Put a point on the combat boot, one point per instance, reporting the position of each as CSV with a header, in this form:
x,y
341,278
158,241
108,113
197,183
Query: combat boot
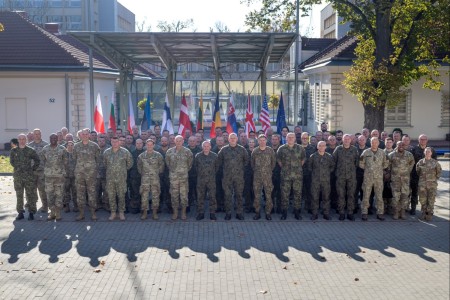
x,y
155,214
380,217
30,216
57,213
257,216
51,215
283,215
412,212
429,217
200,216
395,215
341,217
20,216
364,217
423,217
212,217
93,216
183,213
297,214
121,216
80,215
66,208
144,214
175,213
403,214
112,216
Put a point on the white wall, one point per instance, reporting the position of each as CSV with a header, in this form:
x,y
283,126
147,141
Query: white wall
x,y
41,112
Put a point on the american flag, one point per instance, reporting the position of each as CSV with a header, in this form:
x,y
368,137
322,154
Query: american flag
x,y
264,117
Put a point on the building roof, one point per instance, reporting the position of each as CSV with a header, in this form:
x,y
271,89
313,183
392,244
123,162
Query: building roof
x,y
182,47
315,44
27,46
340,50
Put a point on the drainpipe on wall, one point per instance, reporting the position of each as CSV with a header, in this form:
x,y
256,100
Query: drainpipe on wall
x,y
66,80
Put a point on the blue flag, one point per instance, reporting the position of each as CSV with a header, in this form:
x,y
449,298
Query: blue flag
x,y
281,117
147,120
167,119
216,120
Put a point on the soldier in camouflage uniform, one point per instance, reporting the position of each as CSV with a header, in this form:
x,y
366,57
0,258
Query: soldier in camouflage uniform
x,y
135,179
401,163
373,161
54,159
346,158
164,177
70,191
179,161
102,195
291,157
219,176
263,161
87,156
429,170
150,165
192,195
25,161
38,144
359,193
233,158
418,153
321,164
276,175
306,190
205,164
118,161
249,193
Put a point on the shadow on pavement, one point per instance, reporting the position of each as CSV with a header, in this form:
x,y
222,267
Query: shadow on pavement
x,y
95,240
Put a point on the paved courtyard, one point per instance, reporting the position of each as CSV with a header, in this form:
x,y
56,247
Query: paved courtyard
x,y
223,260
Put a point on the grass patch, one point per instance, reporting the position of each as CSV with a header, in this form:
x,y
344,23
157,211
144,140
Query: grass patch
x,y
5,166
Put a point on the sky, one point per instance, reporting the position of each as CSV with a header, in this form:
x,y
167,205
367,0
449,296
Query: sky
x,y
206,13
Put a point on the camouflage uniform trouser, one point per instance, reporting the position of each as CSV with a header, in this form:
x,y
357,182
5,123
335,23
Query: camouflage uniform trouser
x,y
260,183
150,184
219,192
346,188
249,192
276,192
29,184
316,188
40,184
427,197
86,184
135,193
54,187
414,185
192,195
179,189
236,184
70,192
102,195
377,185
306,191
206,185
296,183
400,194
116,189
165,198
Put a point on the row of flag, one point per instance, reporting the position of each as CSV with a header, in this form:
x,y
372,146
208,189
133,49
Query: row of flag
x,y
185,122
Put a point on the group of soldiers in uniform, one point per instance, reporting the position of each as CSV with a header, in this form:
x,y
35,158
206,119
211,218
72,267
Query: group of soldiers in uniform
x,y
125,172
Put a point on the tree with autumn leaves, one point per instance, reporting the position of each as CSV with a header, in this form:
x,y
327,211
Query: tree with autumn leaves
x,y
399,41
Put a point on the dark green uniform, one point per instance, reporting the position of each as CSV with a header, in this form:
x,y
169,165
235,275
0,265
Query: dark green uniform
x,y
25,162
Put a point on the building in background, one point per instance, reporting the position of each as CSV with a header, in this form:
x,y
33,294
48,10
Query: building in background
x,y
72,15
330,24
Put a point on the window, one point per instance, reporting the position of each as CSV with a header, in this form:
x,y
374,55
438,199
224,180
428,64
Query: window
x,y
399,115
330,21
75,3
16,114
320,104
445,109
